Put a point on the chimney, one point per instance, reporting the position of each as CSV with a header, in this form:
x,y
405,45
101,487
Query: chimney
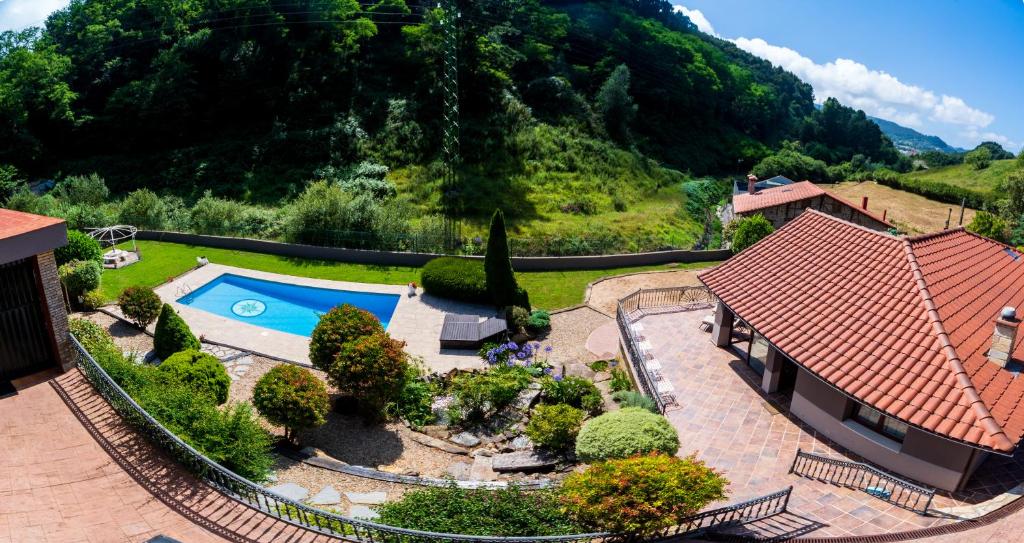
x,y
1003,337
864,203
751,181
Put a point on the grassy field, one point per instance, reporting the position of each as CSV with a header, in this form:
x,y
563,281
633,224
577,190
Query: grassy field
x,y
962,175
912,212
162,261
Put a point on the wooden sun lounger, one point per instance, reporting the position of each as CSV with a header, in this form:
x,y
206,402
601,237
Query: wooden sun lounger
x,y
467,332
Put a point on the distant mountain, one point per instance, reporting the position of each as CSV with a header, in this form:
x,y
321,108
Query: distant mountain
x,y
908,140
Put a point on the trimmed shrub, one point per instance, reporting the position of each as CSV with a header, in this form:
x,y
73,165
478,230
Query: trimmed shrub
x,y
199,371
539,322
575,391
555,426
93,300
456,279
500,279
172,335
625,433
140,304
291,397
502,512
517,318
143,209
372,370
338,326
620,380
80,276
81,246
641,495
477,395
633,398
749,231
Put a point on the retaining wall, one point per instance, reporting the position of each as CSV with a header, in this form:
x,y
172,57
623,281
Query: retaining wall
x,y
394,258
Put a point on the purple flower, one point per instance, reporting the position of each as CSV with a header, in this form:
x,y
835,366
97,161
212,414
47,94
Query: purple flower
x,y
613,363
547,371
511,345
548,349
521,355
510,362
558,378
536,345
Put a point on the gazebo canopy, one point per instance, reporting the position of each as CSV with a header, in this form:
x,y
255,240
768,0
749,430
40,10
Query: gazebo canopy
x,y
112,235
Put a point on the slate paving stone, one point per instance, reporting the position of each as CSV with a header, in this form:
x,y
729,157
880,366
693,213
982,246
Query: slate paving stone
x,y
291,491
328,495
364,512
367,498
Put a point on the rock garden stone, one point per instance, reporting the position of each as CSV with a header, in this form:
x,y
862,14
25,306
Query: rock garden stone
x,y
367,498
465,439
436,431
521,443
602,376
522,461
328,495
459,471
482,469
580,370
291,491
526,399
481,452
362,511
445,446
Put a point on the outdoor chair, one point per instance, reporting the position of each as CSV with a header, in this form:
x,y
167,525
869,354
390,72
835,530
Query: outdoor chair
x,y
468,332
707,324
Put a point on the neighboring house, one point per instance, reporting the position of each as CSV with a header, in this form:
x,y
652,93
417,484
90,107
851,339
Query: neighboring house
x,y
33,320
771,182
783,203
897,348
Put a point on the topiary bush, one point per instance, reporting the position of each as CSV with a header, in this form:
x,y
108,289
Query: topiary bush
x,y
291,397
338,326
632,398
81,246
140,304
502,512
575,391
199,371
555,426
625,433
371,369
642,494
539,322
477,395
80,276
500,279
456,279
172,334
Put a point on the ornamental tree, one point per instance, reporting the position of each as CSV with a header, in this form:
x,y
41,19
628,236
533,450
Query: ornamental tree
x,y
337,327
371,369
642,494
501,280
291,397
172,334
140,304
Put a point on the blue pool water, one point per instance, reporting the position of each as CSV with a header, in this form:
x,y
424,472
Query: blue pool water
x,y
280,306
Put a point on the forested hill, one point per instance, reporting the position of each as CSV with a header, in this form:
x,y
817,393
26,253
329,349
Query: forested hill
x,y
253,98
910,140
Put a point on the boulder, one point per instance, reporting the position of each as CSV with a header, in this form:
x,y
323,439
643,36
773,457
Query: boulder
x,y
465,439
526,399
521,443
445,446
482,469
436,431
522,461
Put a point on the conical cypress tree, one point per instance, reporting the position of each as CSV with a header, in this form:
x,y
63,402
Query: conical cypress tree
x,y
172,334
501,281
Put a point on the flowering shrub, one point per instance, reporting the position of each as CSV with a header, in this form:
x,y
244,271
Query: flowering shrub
x,y
624,433
575,391
511,354
291,397
642,494
555,426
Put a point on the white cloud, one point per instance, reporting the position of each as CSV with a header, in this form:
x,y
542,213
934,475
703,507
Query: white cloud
x,y
19,14
698,19
976,136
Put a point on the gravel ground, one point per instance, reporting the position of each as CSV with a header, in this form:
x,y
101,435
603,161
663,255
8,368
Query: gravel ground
x,y
605,294
569,333
126,336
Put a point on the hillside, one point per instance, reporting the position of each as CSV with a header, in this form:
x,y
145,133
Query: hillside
x,y
983,181
908,140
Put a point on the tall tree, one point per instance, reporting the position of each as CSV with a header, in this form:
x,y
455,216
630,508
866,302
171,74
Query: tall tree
x,y
501,280
616,106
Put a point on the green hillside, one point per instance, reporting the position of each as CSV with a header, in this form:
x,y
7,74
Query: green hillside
x,y
983,181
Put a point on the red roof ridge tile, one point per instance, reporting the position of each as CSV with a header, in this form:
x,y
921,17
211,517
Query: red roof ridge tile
x,y
844,221
1000,441
871,214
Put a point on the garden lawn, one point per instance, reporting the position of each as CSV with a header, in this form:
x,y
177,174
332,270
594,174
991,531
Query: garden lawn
x,y
162,260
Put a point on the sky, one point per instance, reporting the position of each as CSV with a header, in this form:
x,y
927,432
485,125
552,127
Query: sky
x,y
945,67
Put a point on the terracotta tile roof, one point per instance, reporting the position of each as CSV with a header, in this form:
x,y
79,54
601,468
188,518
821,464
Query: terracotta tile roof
x,y
902,324
747,203
15,223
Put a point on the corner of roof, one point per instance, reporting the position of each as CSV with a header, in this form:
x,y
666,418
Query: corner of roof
x,y
844,221
1000,441
937,233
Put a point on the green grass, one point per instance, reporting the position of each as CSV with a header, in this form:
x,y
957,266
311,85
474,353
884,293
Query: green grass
x,y
961,175
162,261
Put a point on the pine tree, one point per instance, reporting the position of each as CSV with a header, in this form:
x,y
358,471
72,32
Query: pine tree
x,y
501,281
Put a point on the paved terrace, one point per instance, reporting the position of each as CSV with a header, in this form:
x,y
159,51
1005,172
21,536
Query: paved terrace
x,y
726,419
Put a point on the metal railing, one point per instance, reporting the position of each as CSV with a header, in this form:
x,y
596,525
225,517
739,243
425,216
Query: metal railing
x,y
864,477
644,302
259,498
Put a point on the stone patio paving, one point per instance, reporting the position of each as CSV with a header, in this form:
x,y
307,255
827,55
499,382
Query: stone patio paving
x,y
725,418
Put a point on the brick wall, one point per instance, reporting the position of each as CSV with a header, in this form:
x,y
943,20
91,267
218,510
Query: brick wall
x,y
56,311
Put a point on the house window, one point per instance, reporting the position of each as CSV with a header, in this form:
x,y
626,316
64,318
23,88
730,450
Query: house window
x,y
875,420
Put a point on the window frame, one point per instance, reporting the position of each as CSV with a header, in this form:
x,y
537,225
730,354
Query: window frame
x,y
878,426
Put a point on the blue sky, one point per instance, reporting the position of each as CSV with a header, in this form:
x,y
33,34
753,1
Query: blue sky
x,y
945,67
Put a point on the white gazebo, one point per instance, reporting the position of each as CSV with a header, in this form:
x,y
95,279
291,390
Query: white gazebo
x,y
110,236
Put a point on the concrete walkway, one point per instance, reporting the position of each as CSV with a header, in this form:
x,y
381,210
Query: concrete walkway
x,y
71,471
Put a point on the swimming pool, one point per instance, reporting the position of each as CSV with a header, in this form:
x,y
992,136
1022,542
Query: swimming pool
x,y
295,309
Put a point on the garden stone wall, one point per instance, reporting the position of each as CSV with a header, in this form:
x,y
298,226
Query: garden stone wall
x,y
392,258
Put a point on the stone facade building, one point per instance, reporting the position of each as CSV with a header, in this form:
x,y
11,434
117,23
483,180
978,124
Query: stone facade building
x,y
781,204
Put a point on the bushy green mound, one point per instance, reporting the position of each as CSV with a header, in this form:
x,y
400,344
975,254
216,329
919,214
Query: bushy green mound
x,y
80,276
199,371
624,433
140,304
454,278
575,391
291,397
555,426
339,326
81,246
172,334
372,369
632,398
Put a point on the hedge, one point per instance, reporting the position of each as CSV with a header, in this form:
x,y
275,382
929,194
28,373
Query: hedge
x,y
456,279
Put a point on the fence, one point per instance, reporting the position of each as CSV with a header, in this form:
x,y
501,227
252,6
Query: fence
x,y
869,479
255,496
644,302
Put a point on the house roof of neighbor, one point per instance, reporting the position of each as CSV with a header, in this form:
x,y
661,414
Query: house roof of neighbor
x,y
24,234
745,202
902,324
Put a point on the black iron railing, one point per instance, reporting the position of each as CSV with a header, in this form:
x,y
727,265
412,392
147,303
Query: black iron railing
x,y
869,479
645,302
257,497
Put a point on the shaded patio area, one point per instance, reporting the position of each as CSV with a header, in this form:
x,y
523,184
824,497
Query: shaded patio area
x,y
724,417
